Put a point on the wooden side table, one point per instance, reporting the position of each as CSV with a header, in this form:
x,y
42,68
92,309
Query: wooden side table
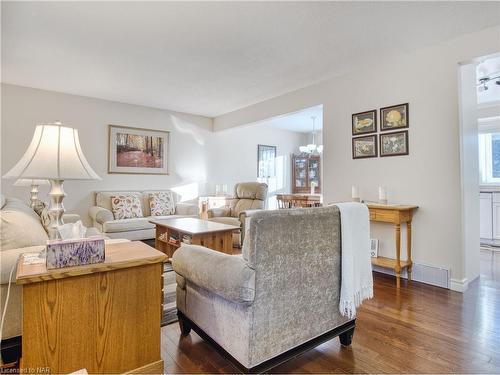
x,y
395,214
103,317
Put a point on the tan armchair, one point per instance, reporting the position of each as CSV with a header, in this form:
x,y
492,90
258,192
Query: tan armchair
x,y
248,196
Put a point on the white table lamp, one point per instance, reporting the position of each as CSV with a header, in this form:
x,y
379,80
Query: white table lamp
x,y
34,188
54,154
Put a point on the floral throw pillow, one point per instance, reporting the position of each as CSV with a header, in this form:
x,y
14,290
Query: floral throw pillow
x,y
126,206
162,203
42,210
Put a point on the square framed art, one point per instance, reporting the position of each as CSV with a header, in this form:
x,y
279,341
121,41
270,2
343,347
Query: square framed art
x,y
364,147
394,117
364,122
394,144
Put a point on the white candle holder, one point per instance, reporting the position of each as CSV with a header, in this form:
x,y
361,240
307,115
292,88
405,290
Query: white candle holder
x,y
382,195
355,194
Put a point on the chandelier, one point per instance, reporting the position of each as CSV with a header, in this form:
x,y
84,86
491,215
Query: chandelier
x,y
312,148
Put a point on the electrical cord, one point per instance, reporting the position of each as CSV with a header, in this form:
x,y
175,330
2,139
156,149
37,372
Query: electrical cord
x,y
5,307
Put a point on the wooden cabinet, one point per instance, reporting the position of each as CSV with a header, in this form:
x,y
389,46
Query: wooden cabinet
x,y
305,170
486,215
103,317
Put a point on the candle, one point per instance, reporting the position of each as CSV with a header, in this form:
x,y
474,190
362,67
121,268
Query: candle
x,y
382,195
355,192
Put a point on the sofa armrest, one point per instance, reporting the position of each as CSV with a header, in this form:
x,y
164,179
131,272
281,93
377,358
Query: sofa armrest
x,y
100,215
225,275
71,218
219,212
247,214
245,221
9,260
187,209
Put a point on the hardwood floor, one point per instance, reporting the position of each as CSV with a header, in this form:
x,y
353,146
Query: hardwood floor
x,y
417,329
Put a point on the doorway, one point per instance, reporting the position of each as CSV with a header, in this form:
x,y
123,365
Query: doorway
x,y
298,163
480,165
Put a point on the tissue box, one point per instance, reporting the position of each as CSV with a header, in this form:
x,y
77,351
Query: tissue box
x,y
70,253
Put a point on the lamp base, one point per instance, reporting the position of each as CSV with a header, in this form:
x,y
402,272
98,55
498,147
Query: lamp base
x,y
56,208
33,195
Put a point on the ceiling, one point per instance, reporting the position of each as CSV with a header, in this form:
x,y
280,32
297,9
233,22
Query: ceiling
x,y
211,58
297,121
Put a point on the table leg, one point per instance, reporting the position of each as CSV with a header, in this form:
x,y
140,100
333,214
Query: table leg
x,y
157,241
408,248
227,243
397,269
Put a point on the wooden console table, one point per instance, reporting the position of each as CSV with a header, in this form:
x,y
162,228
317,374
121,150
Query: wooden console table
x,y
103,317
395,214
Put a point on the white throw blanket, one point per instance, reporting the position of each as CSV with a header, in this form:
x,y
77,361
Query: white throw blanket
x,y
356,280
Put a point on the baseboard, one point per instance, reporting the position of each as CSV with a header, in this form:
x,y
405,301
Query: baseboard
x,y
423,273
459,285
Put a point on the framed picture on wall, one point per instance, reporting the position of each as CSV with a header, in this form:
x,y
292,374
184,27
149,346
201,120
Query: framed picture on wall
x,y
364,147
394,144
266,161
394,117
364,122
137,151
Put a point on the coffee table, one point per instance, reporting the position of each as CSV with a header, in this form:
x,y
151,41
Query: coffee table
x,y
170,234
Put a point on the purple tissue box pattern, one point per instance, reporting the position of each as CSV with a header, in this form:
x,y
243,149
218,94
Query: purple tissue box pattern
x,y
70,253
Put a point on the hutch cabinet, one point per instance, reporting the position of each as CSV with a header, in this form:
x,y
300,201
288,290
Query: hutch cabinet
x,y
305,170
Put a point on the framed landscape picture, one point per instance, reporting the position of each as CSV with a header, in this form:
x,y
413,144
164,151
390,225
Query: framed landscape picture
x,y
137,151
394,117
394,144
364,122
364,147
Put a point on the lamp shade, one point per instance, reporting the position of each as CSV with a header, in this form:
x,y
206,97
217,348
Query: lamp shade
x,y
54,153
30,182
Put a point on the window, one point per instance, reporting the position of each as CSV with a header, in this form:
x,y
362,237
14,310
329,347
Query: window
x,y
266,161
489,158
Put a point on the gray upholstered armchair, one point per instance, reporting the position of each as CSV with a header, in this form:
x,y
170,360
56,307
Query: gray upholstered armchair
x,y
280,296
248,196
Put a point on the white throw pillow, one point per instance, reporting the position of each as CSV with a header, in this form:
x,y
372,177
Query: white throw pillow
x,y
20,229
162,203
126,206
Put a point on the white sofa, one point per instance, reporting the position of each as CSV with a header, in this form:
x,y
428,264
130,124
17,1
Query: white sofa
x,y
136,228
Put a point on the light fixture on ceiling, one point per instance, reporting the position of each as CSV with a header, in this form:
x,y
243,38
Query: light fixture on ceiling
x,y
483,84
312,148
484,81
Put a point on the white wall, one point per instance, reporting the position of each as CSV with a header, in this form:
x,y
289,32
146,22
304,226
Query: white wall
x,y
23,108
430,176
233,157
199,158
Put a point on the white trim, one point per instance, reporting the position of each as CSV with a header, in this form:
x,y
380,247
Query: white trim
x,y
422,273
459,285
